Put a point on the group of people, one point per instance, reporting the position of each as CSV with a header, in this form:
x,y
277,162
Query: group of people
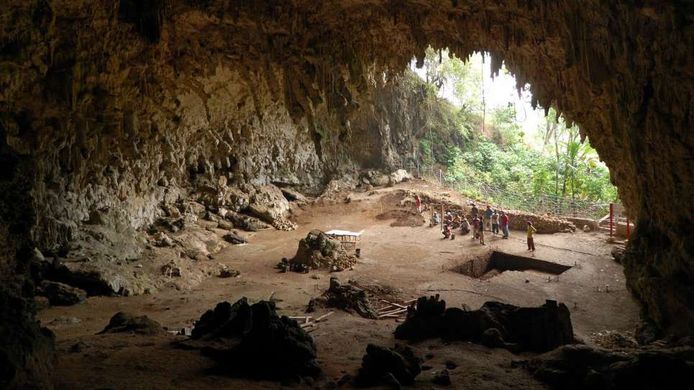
x,y
495,221
492,220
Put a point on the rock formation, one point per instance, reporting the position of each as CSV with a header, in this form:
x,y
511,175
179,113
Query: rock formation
x,y
386,366
495,324
128,105
253,341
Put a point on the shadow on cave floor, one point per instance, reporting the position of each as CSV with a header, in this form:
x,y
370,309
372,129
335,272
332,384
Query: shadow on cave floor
x,y
412,260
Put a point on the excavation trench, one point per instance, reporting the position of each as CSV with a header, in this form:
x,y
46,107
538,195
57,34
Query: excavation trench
x,y
495,262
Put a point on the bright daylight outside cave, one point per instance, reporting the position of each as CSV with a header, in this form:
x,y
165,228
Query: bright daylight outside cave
x,y
346,194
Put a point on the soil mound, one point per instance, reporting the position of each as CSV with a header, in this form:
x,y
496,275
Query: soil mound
x,y
318,250
402,218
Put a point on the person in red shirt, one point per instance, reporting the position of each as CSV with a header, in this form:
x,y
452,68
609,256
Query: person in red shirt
x,y
418,202
503,219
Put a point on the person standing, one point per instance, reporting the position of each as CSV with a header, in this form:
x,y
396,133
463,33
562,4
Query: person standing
x,y
495,223
474,211
481,233
475,227
504,224
531,230
488,217
464,226
418,202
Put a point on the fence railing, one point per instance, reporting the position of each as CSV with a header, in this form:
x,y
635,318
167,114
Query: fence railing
x,y
538,204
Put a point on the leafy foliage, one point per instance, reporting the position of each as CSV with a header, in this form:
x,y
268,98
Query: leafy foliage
x,y
497,164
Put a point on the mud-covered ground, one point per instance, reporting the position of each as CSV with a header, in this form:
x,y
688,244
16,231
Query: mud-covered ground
x,y
412,261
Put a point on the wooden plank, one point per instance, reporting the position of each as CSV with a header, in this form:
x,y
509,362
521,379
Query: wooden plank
x,y
394,304
324,316
396,311
390,316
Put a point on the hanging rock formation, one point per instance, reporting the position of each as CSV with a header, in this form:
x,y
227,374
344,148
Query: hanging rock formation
x,y
127,105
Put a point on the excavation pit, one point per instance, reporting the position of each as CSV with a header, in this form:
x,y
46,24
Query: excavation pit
x,y
495,262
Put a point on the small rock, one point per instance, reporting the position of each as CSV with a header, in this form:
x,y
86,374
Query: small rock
x,y
441,378
64,321
226,272
618,254
161,239
41,302
451,365
171,269
78,347
234,238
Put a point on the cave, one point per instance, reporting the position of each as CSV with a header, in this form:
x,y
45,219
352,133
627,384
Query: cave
x,y
109,110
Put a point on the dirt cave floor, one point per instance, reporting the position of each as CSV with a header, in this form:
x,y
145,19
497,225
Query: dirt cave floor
x,y
412,261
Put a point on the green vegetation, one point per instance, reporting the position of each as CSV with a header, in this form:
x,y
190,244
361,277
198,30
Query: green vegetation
x,y
549,170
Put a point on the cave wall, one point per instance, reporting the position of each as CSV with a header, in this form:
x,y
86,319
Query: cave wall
x,y
118,103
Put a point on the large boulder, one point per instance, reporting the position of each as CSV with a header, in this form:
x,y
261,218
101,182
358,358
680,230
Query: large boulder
x,y
269,204
399,176
60,294
245,222
376,178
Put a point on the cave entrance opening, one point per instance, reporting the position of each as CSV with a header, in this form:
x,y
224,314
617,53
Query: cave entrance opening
x,y
487,138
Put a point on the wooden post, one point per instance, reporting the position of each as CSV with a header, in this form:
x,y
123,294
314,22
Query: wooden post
x,y
611,218
441,217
